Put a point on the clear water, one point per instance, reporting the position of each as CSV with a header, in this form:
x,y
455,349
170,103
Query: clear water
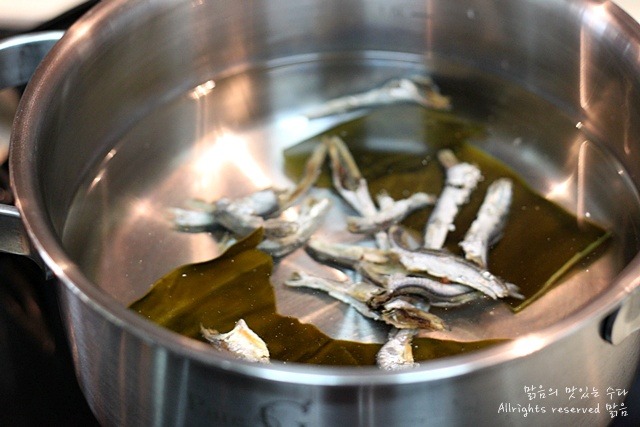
x,y
226,138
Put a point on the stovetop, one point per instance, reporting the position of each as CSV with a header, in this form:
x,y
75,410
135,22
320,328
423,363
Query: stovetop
x,y
37,382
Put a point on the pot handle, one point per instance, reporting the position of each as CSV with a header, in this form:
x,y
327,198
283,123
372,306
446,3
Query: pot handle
x,y
20,55
13,236
624,321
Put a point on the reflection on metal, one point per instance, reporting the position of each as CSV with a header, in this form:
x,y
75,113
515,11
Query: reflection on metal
x,y
228,154
527,345
560,190
203,89
581,194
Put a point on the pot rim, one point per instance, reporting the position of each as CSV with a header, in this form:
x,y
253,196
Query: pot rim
x,y
31,207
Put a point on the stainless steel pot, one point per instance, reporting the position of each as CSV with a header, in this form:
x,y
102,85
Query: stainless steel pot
x,y
113,124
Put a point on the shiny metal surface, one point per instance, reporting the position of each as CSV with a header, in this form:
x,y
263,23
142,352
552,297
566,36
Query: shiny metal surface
x,y
111,131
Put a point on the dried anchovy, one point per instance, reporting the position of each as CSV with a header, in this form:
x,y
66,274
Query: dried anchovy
x,y
396,353
347,178
312,169
241,342
248,213
455,269
310,217
356,294
489,223
244,215
391,212
346,255
200,217
351,185
375,264
360,295
437,293
461,180
416,89
403,313
400,282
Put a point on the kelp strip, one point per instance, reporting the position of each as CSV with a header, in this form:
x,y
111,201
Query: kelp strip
x,y
236,285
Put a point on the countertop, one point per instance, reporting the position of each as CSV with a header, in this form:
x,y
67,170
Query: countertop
x,y
632,7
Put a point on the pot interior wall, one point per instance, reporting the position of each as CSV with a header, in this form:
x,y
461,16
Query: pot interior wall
x,y
135,116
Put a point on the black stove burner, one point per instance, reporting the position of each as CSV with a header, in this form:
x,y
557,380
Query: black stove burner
x,y
37,382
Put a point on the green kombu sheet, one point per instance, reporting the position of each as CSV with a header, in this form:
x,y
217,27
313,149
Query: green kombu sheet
x,y
236,286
